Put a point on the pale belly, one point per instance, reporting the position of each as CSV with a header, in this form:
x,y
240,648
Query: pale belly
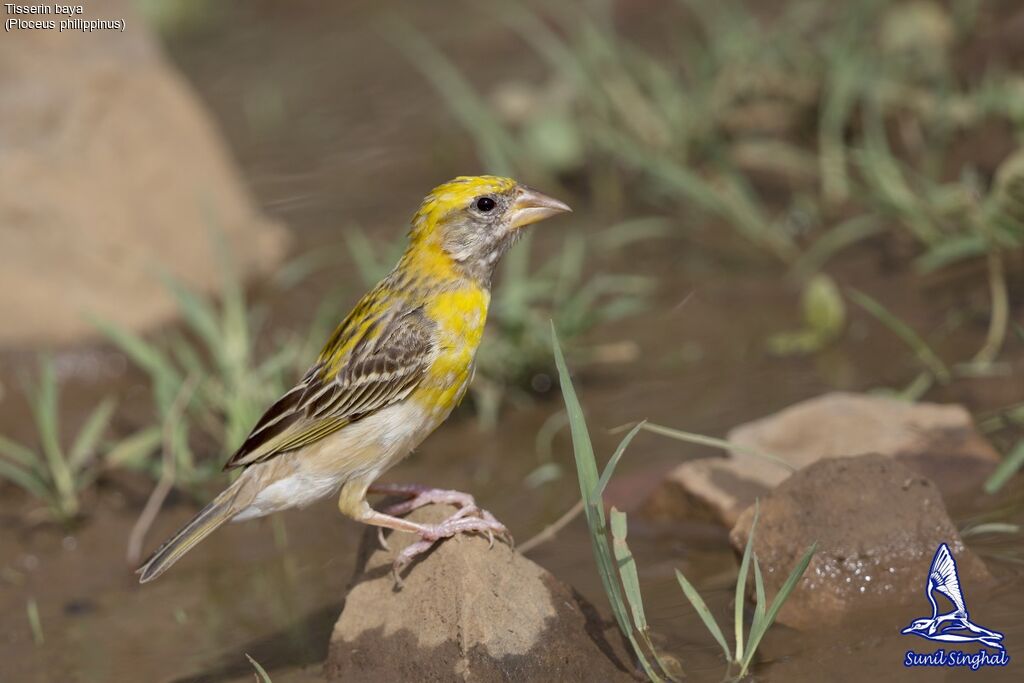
x,y
363,450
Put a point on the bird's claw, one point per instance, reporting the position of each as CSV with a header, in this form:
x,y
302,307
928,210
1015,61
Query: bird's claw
x,y
458,523
468,518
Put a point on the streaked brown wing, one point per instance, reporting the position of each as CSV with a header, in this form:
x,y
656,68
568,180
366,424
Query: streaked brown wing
x,y
383,367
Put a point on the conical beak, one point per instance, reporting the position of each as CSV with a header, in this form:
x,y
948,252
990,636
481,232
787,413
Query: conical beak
x,y
532,206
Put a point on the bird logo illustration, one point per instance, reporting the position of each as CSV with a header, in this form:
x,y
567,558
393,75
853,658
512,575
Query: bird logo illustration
x,y
954,626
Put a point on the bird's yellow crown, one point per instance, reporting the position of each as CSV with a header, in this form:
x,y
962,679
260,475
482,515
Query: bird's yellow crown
x,y
452,196
464,226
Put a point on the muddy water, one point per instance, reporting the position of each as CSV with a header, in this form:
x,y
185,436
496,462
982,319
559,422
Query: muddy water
x,y
359,135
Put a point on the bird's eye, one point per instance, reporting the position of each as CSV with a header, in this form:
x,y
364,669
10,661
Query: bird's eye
x,y
485,204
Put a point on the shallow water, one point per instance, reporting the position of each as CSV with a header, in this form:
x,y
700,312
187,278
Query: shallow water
x,y
361,139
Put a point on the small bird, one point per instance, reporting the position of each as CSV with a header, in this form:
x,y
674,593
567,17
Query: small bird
x,y
389,375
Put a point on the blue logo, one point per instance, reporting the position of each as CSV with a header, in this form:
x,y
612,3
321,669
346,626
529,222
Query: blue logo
x,y
954,626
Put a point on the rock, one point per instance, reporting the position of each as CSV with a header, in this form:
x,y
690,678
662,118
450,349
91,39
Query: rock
x,y
110,174
468,612
877,524
937,441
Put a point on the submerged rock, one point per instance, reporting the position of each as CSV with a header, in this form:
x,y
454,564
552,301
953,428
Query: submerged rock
x,y
111,175
937,441
467,612
877,524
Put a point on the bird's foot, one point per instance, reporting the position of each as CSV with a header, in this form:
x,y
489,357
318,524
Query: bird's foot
x,y
461,522
418,496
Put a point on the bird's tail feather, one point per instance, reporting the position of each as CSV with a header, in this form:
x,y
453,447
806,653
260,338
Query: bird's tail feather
x,y
221,509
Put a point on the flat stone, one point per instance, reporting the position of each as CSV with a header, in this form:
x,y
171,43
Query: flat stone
x,y
937,441
111,175
877,524
468,612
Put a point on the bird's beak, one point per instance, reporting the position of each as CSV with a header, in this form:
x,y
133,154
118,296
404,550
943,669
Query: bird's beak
x,y
531,206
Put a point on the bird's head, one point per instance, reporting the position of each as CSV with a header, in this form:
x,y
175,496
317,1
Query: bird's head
x,y
474,220
918,626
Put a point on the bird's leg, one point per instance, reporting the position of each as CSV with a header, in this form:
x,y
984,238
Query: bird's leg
x,y
352,503
416,496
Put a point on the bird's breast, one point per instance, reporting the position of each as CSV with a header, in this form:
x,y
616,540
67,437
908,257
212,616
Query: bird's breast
x,y
460,315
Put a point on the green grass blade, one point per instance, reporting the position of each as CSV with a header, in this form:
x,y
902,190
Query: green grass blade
x,y
949,251
921,349
586,470
1010,465
135,449
918,387
835,240
711,441
200,316
583,448
46,409
186,356
777,603
703,612
492,140
19,453
630,578
89,436
627,568
547,43
34,622
990,528
234,347
725,196
261,673
142,353
299,269
838,101
25,479
761,607
609,469
741,587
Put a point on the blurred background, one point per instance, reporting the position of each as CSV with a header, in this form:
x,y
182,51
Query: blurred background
x,y
773,200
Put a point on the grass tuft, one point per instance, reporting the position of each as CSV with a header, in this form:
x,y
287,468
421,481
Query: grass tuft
x,y
710,121
746,642
215,350
617,566
52,473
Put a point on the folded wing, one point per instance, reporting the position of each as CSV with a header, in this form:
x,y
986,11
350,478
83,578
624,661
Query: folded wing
x,y
384,357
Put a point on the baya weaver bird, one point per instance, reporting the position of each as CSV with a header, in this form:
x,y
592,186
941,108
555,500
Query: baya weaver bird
x,y
389,375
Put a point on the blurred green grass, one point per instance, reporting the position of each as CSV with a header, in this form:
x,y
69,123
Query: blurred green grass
x,y
850,109
805,130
